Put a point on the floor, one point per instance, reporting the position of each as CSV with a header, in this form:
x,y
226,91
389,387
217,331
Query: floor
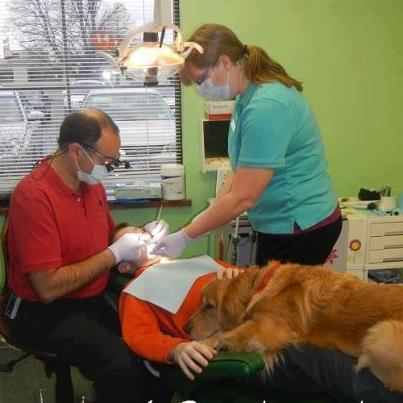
x,y
28,380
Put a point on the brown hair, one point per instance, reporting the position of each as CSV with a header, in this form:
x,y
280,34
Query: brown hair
x,y
218,40
118,228
85,127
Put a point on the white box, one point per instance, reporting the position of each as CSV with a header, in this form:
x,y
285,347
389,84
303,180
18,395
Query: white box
x,y
218,110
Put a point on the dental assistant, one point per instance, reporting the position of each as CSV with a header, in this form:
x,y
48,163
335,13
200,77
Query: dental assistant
x,y
276,152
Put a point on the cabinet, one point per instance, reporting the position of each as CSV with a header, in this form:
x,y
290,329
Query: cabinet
x,y
368,242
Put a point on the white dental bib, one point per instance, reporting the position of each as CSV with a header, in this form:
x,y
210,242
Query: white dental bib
x,y
167,284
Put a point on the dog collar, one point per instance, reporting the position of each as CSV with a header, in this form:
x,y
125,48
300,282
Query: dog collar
x,y
268,275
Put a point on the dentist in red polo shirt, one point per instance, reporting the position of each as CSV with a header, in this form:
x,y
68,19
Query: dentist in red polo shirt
x,y
60,257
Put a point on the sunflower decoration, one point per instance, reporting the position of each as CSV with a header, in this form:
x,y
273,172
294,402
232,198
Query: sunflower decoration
x,y
355,245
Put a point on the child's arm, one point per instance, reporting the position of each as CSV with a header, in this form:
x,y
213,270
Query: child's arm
x,y
141,331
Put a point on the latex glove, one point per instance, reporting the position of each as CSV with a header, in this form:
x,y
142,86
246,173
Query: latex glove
x,y
192,357
173,245
130,246
158,231
131,266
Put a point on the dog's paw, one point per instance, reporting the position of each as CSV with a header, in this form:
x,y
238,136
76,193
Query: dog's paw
x,y
255,346
213,341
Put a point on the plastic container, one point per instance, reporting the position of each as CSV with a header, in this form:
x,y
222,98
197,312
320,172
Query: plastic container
x,y
173,181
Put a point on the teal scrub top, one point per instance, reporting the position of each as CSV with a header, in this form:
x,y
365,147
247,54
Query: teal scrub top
x,y
274,127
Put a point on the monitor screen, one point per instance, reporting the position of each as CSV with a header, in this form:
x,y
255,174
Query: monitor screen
x,y
215,135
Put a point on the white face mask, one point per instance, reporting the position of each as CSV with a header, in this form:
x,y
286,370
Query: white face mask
x,y
214,92
97,175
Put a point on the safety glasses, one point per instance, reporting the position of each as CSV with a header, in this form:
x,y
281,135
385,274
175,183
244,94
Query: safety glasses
x,y
111,163
203,76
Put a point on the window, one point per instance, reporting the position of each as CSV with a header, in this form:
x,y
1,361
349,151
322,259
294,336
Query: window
x,y
6,76
49,66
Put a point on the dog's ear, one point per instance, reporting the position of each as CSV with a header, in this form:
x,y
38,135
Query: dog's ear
x,y
234,299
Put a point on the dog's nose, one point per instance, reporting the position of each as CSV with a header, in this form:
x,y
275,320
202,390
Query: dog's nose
x,y
187,328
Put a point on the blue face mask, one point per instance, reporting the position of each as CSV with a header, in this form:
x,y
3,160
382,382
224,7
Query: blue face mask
x,y
214,92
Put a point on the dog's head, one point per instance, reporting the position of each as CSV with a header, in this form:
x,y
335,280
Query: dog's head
x,y
223,305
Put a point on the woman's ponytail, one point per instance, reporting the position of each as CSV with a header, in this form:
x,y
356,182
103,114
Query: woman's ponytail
x,y
260,68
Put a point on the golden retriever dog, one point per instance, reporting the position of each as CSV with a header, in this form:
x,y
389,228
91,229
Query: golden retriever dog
x,y
264,310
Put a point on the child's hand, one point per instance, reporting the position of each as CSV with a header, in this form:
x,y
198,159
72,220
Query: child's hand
x,y
192,357
229,273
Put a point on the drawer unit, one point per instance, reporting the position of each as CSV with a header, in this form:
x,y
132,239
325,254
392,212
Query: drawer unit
x,y
386,229
368,242
386,256
385,242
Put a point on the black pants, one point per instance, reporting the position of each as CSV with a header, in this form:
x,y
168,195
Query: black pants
x,y
312,247
309,369
86,334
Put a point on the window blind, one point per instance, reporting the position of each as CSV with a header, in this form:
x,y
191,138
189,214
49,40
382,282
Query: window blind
x,y
49,67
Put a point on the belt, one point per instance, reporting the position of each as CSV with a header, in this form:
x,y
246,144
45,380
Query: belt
x,y
13,306
16,303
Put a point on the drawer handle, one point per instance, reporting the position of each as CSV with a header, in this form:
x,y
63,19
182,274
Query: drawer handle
x,y
398,246
392,259
393,233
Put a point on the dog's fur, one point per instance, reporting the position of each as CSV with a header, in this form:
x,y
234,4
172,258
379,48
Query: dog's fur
x,y
305,304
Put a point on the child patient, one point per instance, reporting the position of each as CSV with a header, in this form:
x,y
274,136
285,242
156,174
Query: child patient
x,y
145,258
154,333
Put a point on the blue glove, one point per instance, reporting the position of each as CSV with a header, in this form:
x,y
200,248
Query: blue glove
x,y
173,245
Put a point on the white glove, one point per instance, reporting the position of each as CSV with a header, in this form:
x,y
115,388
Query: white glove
x,y
130,246
158,231
192,357
172,245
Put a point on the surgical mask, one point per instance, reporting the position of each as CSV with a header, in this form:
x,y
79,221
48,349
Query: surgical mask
x,y
97,175
214,92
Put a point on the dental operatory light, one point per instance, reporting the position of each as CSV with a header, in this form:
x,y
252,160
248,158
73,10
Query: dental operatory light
x,y
151,60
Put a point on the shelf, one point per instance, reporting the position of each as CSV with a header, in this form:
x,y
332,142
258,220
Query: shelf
x,y
137,204
150,203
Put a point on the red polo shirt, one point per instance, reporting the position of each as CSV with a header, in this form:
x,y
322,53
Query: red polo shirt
x,y
50,226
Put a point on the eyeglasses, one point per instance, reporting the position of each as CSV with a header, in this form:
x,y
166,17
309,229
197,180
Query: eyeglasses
x,y
113,162
203,76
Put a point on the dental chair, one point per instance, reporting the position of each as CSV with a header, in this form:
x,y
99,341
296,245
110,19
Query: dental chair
x,y
224,380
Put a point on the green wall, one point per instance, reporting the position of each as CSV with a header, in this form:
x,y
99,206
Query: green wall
x,y
348,53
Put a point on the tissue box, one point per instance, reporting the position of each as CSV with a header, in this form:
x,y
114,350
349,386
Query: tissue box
x,y
218,110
